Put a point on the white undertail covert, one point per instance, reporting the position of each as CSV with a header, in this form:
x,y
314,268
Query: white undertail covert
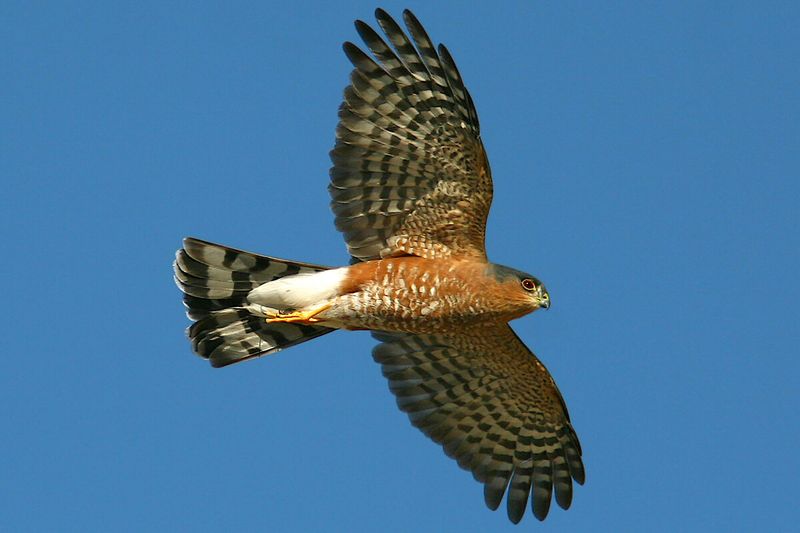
x,y
299,291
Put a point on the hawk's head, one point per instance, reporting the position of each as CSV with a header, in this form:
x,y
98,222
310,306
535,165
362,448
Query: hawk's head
x,y
525,287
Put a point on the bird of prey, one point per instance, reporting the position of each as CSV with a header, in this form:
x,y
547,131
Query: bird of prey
x,y
410,190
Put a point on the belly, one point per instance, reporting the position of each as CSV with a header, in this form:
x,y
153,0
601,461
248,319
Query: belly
x,y
412,295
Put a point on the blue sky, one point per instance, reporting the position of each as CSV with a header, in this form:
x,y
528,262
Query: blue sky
x,y
645,158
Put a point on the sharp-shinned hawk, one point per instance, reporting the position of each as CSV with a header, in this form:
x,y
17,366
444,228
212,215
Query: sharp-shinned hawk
x,y
410,189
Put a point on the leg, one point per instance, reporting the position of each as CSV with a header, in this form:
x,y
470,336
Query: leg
x,y
299,317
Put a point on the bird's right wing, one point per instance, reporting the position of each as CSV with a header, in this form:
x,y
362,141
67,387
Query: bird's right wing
x,y
493,407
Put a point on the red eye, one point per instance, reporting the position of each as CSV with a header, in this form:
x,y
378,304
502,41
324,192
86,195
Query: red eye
x,y
528,284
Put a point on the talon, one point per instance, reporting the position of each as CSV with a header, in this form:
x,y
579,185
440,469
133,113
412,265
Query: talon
x,y
298,317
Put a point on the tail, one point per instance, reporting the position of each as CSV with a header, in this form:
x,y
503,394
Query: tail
x,y
215,281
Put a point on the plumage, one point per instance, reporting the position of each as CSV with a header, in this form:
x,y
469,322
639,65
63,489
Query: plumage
x,y
450,385
420,182
299,290
216,281
410,191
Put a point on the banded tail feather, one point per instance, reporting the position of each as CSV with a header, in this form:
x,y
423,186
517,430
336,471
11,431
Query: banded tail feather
x,y
215,281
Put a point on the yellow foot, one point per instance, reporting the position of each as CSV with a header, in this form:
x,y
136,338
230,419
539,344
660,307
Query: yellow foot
x,y
299,317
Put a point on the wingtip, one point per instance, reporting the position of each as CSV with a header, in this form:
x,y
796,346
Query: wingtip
x,y
541,508
361,26
491,499
353,52
408,14
514,516
564,498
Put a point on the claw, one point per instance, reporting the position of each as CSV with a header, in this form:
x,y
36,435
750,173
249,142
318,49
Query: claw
x,y
299,317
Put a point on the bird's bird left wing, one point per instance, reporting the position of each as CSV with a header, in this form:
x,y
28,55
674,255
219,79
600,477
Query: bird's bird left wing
x,y
410,175
494,408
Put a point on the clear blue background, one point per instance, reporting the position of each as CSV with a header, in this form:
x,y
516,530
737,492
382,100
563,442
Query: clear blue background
x,y
646,164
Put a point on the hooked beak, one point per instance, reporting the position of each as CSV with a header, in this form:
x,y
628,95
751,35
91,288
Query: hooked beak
x,y
544,301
